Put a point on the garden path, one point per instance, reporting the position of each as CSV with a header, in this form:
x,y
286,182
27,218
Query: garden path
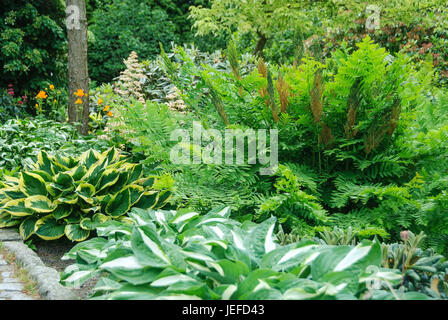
x,y
10,287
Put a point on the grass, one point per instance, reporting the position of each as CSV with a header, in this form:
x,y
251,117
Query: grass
x,y
29,286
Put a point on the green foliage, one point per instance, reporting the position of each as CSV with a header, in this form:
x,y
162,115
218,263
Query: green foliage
x,y
185,255
10,107
32,44
71,196
21,140
122,27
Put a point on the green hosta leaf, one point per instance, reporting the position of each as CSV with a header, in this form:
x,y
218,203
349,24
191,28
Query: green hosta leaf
x,y
68,162
69,199
168,277
88,224
163,198
119,204
112,155
78,172
130,270
75,233
49,229
136,173
148,249
109,178
7,221
40,204
94,174
44,175
17,208
86,191
64,181
28,227
148,200
44,163
136,193
14,193
89,157
62,211
33,184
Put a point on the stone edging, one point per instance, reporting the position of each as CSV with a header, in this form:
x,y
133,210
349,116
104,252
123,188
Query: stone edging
x,y
47,279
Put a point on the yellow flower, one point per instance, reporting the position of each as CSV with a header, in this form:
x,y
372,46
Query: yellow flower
x,y
79,93
100,101
42,95
79,101
110,114
37,106
51,87
106,108
55,101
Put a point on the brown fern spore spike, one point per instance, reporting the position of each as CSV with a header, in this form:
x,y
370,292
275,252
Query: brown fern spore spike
x,y
271,93
316,96
283,92
352,104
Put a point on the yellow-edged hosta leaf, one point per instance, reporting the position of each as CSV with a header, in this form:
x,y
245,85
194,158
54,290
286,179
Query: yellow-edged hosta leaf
x,y
48,228
85,191
44,163
11,181
119,204
136,193
112,155
28,227
136,173
148,200
44,175
17,208
109,178
89,157
75,233
33,184
40,204
13,193
78,172
62,211
164,197
72,199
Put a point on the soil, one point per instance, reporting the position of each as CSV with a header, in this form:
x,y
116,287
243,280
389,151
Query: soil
x,y
51,253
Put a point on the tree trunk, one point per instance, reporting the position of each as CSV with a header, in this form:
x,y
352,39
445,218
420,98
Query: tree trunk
x,y
78,74
260,44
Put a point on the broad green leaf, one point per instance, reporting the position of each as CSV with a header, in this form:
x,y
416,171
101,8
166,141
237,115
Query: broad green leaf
x,y
40,204
119,204
75,233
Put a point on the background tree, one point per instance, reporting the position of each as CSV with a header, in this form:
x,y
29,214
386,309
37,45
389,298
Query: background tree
x,y
78,74
32,44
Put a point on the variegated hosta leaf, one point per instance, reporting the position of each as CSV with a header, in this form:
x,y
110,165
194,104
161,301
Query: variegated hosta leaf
x,y
79,194
166,255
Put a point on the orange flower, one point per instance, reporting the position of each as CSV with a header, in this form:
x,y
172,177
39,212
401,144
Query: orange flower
x,y
79,101
51,87
110,114
79,93
100,101
37,106
42,95
106,108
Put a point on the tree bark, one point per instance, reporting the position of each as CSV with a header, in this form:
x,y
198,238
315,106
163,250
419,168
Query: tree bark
x,y
78,73
260,44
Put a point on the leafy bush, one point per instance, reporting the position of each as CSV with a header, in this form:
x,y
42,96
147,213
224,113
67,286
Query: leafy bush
x,y
185,255
71,196
33,44
122,27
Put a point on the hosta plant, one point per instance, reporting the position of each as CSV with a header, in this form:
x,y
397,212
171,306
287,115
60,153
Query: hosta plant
x,y
71,196
185,255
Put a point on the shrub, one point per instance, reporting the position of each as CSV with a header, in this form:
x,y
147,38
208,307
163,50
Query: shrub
x,y
71,196
32,44
122,27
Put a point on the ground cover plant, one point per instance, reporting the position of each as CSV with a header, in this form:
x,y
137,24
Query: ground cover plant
x,y
188,255
350,106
